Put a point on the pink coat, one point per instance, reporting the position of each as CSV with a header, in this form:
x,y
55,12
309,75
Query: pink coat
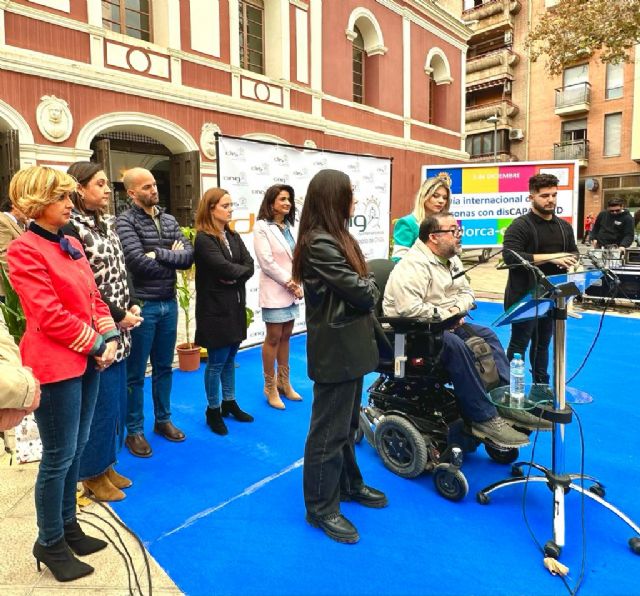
x,y
274,257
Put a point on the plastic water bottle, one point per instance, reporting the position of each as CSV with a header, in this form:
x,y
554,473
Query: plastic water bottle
x,y
516,382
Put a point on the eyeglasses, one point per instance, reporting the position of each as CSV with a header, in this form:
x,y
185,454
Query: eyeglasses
x,y
455,231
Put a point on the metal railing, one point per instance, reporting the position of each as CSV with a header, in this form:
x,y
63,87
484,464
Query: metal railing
x,y
571,95
571,149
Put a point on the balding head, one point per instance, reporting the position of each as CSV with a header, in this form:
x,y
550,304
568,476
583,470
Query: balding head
x,y
141,188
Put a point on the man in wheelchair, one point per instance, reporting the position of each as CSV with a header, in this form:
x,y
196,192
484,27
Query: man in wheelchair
x,y
430,280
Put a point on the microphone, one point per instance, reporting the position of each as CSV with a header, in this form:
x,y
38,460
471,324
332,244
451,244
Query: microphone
x,y
464,271
601,267
534,269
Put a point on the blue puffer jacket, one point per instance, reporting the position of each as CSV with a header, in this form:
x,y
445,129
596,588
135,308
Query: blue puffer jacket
x,y
153,279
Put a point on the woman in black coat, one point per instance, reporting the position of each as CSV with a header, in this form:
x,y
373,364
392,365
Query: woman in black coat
x,y
223,265
340,296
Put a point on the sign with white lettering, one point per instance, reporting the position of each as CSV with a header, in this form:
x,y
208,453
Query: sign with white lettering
x,y
486,198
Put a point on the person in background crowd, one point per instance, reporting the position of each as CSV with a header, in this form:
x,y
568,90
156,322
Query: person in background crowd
x,y
273,246
12,224
70,337
340,297
588,226
96,232
613,226
636,225
223,266
434,196
154,248
19,389
547,241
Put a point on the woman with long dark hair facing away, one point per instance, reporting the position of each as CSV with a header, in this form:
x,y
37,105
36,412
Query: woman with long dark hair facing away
x,y
273,245
70,336
434,196
95,230
339,297
223,266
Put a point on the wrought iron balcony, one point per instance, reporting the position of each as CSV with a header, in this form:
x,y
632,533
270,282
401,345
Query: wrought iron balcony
x,y
572,150
573,99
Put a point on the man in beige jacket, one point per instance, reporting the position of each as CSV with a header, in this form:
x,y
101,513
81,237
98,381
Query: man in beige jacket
x,y
12,224
19,390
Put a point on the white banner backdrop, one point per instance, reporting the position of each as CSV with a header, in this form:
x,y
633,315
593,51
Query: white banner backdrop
x,y
247,168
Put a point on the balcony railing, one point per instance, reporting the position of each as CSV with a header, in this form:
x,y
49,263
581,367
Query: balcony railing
x,y
573,95
504,109
571,150
493,65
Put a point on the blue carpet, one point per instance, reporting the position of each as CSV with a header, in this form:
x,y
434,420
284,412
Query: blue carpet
x,y
225,515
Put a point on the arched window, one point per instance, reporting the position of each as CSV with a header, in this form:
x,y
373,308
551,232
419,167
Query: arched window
x,y
252,35
131,17
358,67
439,81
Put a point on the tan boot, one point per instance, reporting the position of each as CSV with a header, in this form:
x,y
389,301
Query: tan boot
x,y
102,489
284,386
118,480
271,392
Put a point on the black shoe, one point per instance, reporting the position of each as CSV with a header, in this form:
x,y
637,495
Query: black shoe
x,y
60,561
79,542
367,496
215,421
336,526
230,406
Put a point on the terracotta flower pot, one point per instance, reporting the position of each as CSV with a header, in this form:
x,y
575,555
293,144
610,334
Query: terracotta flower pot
x,y
188,357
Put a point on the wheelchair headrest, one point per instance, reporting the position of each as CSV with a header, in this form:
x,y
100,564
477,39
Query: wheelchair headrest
x,y
381,269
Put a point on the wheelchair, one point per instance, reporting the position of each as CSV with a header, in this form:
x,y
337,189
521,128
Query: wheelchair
x,y
412,418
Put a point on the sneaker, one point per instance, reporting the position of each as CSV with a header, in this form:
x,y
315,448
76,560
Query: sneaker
x,y
496,430
525,419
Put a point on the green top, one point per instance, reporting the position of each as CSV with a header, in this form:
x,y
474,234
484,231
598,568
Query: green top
x,y
405,233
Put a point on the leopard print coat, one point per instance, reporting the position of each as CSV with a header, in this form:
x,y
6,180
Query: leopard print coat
x,y
104,252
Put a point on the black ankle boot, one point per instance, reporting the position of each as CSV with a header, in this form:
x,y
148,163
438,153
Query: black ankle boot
x,y
60,561
215,421
79,542
230,406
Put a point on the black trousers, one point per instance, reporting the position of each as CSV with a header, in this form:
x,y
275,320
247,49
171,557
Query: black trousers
x,y
539,333
329,455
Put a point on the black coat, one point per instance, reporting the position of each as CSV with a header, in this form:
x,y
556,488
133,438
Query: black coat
x,y
220,307
613,228
341,344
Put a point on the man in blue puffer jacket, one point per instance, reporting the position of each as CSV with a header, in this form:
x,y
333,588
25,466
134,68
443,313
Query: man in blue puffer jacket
x,y
154,248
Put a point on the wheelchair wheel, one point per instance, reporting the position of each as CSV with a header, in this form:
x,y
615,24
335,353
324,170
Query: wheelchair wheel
x,y
450,482
401,446
502,455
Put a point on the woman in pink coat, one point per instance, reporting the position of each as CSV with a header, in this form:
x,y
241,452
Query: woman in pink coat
x,y
273,246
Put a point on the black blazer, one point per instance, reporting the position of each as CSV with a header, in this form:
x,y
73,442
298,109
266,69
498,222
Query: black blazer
x,y
341,343
220,306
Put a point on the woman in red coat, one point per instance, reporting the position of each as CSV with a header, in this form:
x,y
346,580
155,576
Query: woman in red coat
x,y
70,337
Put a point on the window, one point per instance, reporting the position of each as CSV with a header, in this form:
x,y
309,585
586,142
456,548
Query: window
x,y
252,35
612,133
469,4
574,131
615,81
481,145
358,67
131,17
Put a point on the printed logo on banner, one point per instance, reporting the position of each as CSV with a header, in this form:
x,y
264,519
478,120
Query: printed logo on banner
x,y
455,176
479,231
260,168
320,162
237,179
300,173
353,167
234,153
282,160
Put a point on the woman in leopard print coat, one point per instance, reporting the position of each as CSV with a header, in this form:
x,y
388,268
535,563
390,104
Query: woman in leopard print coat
x,y
96,232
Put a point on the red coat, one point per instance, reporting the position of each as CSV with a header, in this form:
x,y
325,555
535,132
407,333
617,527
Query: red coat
x,y
67,321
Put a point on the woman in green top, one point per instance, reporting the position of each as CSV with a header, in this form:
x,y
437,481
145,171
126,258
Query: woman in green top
x,y
434,196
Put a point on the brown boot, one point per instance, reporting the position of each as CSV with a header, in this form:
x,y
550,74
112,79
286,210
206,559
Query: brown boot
x,y
102,489
284,386
118,480
271,392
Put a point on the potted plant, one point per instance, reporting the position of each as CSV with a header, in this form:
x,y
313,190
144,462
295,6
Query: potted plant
x,y
188,352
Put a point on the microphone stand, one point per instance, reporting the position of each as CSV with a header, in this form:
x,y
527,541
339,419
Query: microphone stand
x,y
560,414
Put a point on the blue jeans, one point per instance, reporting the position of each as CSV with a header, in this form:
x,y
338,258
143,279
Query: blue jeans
x,y
220,369
107,427
459,362
155,338
63,419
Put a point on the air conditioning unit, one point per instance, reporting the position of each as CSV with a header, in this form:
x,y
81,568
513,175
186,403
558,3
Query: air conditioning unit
x,y
516,134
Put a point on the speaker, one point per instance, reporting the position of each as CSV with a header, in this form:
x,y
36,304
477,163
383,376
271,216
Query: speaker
x,y
629,288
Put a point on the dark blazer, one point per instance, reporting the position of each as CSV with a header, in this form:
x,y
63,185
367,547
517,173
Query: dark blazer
x,y
341,343
220,307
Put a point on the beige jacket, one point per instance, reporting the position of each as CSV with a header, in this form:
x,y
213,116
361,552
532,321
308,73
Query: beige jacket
x,y
419,284
17,385
9,230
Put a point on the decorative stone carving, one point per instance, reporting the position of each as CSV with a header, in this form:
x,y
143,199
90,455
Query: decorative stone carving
x,y
208,139
54,118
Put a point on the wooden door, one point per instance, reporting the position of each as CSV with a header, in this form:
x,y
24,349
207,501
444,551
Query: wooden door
x,y
185,186
102,155
9,162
